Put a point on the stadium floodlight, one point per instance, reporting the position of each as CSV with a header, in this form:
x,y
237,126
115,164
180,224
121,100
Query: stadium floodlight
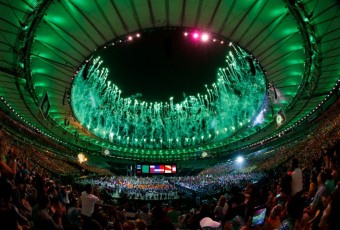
x,y
239,159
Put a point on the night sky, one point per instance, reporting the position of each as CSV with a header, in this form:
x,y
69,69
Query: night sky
x,y
163,64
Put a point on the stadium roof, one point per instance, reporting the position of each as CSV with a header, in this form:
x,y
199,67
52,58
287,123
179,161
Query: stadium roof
x,y
45,43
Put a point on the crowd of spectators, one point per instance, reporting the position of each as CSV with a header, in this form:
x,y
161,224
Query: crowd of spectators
x,y
299,189
216,184
45,160
308,148
165,188
140,188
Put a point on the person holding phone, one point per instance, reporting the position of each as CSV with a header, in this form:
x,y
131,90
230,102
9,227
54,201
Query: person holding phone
x,y
259,216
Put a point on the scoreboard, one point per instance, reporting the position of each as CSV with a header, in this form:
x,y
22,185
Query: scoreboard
x,y
150,169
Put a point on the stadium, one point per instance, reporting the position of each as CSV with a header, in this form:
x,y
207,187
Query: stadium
x,y
154,114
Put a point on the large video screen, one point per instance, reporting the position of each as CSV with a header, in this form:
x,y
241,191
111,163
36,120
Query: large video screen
x,y
150,169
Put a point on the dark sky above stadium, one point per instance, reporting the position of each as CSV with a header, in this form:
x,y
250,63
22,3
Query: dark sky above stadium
x,y
163,64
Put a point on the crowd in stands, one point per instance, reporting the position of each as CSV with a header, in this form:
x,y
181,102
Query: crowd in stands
x,y
213,184
307,148
30,136
165,188
141,188
300,191
48,161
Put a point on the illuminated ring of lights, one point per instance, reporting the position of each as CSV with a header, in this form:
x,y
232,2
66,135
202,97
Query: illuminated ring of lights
x,y
198,121
279,119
